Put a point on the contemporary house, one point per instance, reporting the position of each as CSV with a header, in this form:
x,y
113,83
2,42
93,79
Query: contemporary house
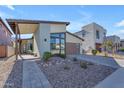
x,y
94,35
49,36
115,40
6,42
122,43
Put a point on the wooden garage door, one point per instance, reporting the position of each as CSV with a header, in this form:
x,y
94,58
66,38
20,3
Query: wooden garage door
x,y
72,48
2,51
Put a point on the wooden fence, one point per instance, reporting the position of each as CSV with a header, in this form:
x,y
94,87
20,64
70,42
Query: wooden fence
x,y
2,51
6,51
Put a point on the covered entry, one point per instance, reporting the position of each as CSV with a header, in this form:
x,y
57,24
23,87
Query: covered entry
x,y
22,27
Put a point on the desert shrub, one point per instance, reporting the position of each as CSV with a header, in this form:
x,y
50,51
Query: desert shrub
x,y
83,65
74,59
90,63
46,56
122,49
94,51
60,55
66,67
106,55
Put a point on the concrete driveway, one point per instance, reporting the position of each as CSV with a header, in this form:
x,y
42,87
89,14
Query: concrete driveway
x,y
116,79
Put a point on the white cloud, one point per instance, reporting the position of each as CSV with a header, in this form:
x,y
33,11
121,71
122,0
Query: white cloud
x,y
119,24
119,33
10,7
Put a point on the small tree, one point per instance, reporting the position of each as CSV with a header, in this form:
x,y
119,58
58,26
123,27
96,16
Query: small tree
x,y
109,46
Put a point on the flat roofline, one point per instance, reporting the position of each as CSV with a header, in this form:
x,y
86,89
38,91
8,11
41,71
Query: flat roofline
x,y
5,25
95,24
35,21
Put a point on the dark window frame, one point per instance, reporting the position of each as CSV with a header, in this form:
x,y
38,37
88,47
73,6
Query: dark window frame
x,y
60,38
97,34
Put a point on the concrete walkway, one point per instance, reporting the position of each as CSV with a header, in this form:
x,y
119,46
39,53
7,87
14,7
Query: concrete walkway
x,y
33,77
115,80
107,61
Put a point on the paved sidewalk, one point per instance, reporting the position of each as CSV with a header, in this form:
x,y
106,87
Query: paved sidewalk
x,y
33,77
115,80
6,67
107,61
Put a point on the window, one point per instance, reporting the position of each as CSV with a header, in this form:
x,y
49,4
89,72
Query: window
x,y
57,43
83,33
97,34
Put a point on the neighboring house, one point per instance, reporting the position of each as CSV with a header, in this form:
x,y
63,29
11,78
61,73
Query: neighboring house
x,y
50,36
115,41
6,43
122,43
94,35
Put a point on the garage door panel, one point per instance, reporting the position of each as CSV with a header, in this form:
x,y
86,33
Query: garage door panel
x,y
72,48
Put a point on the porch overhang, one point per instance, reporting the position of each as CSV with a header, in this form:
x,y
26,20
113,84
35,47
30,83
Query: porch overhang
x,y
29,26
24,28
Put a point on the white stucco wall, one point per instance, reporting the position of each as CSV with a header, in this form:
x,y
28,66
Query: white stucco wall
x,y
57,28
89,38
90,35
72,39
102,33
40,45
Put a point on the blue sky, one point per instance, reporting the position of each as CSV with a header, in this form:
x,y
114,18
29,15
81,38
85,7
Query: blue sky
x,y
110,17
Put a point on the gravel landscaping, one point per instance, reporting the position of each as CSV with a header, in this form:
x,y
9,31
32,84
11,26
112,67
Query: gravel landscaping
x,y
14,79
71,73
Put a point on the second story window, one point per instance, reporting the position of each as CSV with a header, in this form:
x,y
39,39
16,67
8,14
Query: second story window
x,y
97,34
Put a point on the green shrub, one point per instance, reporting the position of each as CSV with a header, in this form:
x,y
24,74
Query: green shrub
x,y
74,59
83,65
94,52
46,56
